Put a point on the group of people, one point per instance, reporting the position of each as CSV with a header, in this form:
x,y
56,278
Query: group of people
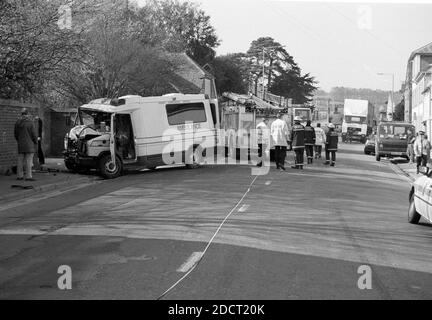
x,y
419,148
299,139
29,142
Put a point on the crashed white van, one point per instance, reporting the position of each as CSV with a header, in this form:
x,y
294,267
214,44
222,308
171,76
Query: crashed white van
x,y
141,132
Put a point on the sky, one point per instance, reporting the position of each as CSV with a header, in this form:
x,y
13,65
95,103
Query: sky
x,y
340,44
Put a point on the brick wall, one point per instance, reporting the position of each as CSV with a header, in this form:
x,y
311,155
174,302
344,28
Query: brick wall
x,y
9,113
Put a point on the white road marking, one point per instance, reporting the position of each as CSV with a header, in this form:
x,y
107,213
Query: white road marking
x,y
243,208
189,263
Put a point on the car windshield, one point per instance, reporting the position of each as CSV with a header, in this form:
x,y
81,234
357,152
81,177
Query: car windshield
x,y
394,131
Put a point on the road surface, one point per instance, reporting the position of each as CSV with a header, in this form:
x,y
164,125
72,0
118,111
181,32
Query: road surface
x,y
218,232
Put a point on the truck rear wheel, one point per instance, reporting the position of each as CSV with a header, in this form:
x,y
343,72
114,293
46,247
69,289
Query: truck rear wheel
x,y
108,169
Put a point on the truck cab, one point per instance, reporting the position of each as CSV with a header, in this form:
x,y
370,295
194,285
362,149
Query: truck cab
x,y
358,120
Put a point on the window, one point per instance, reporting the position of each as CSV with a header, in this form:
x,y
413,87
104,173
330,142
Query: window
x,y
352,119
395,131
185,112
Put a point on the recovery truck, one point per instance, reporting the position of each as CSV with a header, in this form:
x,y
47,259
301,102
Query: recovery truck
x,y
357,121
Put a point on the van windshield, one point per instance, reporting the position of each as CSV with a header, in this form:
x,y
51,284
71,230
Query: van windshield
x,y
394,131
95,119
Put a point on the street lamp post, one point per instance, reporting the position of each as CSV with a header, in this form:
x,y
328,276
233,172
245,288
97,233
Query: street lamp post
x,y
392,92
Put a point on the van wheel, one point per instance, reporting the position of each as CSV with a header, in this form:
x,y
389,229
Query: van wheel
x,y
108,169
377,157
71,166
413,215
194,159
74,168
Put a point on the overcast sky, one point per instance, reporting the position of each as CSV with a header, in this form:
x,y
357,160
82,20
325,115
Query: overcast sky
x,y
341,44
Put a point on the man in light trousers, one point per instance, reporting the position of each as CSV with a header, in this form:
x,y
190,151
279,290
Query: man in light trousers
x,y
26,137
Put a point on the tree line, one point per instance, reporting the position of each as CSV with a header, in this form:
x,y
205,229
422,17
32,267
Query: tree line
x,y
116,47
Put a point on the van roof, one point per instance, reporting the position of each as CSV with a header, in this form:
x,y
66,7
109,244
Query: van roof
x,y
129,103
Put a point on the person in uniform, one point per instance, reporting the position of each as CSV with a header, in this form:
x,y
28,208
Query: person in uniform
x,y
320,139
331,146
261,139
298,142
279,133
309,140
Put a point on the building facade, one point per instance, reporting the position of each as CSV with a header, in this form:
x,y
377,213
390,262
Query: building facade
x,y
417,89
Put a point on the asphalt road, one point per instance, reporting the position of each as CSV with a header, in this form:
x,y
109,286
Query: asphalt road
x,y
284,235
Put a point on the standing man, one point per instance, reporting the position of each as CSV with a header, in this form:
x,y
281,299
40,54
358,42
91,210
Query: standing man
x,y
309,141
261,139
421,150
410,146
320,139
279,134
332,140
298,142
41,156
25,135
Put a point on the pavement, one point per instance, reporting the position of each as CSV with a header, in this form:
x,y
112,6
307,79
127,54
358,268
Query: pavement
x,y
409,169
219,232
52,176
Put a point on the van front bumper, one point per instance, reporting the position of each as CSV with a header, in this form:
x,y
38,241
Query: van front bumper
x,y
82,161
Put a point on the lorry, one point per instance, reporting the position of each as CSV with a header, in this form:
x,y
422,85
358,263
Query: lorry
x,y
358,120
136,132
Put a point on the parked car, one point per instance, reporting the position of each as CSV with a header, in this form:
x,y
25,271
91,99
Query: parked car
x,y
369,147
391,139
420,197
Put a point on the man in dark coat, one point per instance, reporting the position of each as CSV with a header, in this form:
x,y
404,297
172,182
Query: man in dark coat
x,y
25,135
298,143
331,145
309,141
40,151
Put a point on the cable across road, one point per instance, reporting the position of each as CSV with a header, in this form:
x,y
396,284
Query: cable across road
x,y
210,241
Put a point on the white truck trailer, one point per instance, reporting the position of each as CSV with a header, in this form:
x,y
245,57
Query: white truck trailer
x,y
358,120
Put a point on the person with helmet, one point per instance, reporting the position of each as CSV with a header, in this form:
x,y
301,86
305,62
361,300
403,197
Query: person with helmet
x,y
331,146
298,142
319,141
261,139
279,133
309,141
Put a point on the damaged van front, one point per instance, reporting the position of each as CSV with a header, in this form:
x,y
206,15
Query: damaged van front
x,y
88,142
